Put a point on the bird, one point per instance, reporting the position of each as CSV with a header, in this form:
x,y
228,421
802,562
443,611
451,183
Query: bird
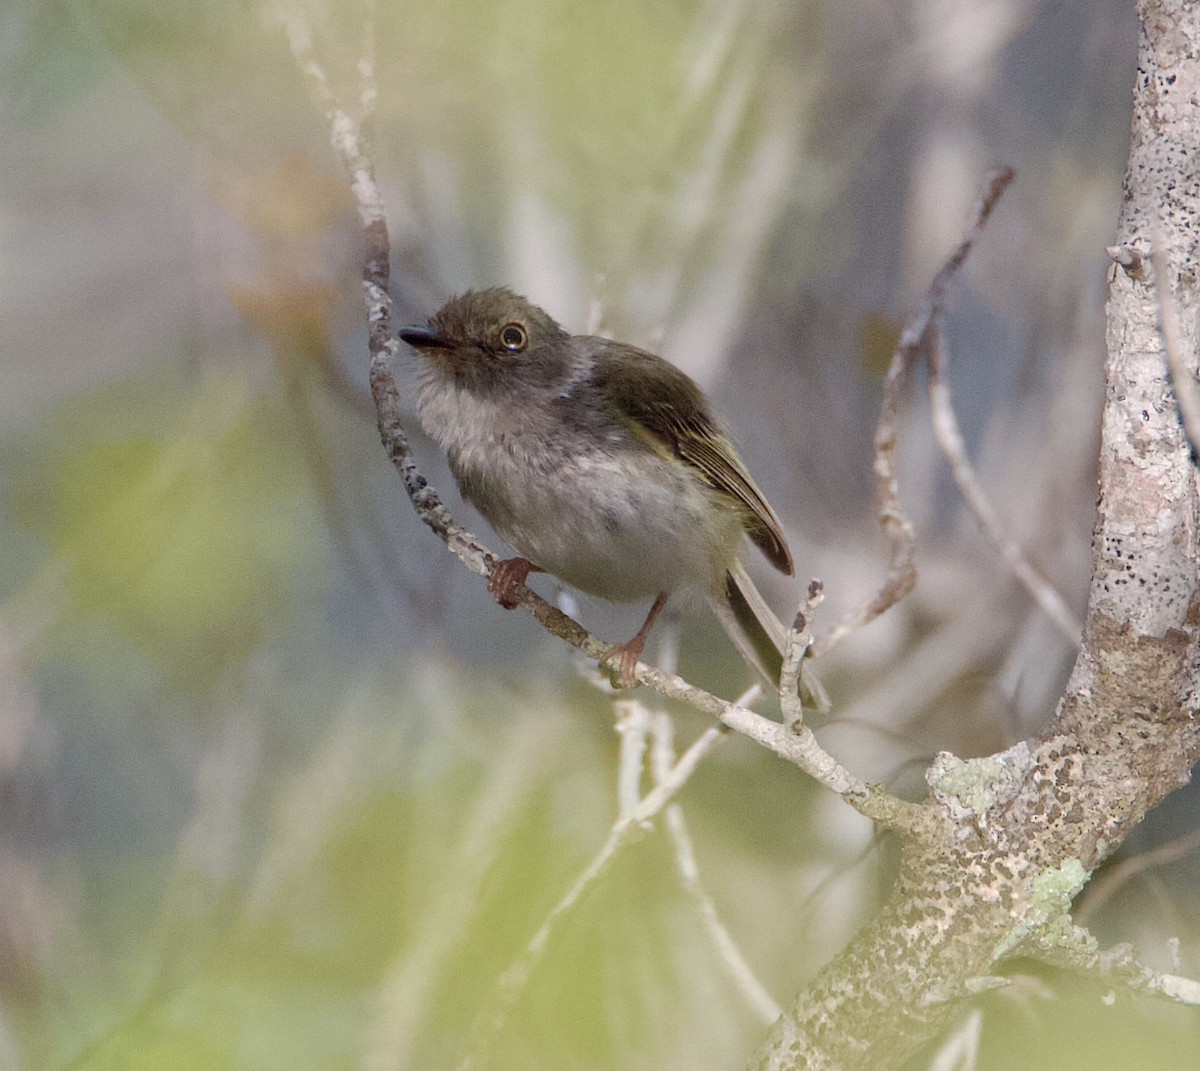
x,y
600,463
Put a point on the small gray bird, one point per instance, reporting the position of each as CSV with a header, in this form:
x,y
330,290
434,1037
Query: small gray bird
x,y
599,463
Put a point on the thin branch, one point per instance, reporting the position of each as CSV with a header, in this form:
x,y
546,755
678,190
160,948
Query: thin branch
x,y
800,748
1102,889
1118,965
949,437
902,573
911,347
516,978
743,976
1187,394
347,141
796,646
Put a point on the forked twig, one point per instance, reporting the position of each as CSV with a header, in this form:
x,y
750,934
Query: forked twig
x,y
911,347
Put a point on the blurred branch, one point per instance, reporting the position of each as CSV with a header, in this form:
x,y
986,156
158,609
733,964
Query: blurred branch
x,y
1183,379
1112,881
633,727
747,983
635,722
949,437
670,776
910,349
960,1049
411,982
1076,950
492,1020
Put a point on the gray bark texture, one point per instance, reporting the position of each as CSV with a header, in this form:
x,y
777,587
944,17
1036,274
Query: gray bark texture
x,y
1005,842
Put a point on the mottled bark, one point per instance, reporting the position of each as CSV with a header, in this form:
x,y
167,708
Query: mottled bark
x,y
1008,840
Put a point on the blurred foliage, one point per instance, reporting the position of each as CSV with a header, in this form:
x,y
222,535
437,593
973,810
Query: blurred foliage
x,y
1062,1021
397,879
177,512
49,59
279,787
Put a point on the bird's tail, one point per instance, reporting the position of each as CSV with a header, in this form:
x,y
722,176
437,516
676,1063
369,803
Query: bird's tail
x,y
759,635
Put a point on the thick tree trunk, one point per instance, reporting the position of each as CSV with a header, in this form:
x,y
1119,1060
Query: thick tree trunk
x,y
1010,839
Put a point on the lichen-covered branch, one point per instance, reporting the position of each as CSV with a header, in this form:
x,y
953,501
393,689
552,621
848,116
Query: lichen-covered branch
x,y
1010,839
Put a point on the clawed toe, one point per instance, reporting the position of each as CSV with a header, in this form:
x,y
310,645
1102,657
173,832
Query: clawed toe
x,y
624,659
506,576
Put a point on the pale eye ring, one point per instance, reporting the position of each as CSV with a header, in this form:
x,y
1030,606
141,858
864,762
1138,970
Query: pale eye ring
x,y
514,337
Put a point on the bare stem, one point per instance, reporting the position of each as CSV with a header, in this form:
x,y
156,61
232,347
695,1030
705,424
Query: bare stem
x,y
911,347
516,978
1111,881
949,437
1183,378
741,973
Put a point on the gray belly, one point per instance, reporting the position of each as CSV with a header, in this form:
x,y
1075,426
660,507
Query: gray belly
x,y
622,526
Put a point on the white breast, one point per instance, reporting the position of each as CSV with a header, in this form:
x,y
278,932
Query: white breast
x,y
623,524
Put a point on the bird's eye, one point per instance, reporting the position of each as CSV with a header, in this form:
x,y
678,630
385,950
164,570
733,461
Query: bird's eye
x,y
514,338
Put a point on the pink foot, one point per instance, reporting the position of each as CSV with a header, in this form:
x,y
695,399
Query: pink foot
x,y
625,655
506,576
624,659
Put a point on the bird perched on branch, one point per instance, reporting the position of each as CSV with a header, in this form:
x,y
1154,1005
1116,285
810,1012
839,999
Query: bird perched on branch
x,y
599,463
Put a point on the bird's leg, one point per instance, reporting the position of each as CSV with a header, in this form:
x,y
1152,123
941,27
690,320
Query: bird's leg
x,y
506,576
625,655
